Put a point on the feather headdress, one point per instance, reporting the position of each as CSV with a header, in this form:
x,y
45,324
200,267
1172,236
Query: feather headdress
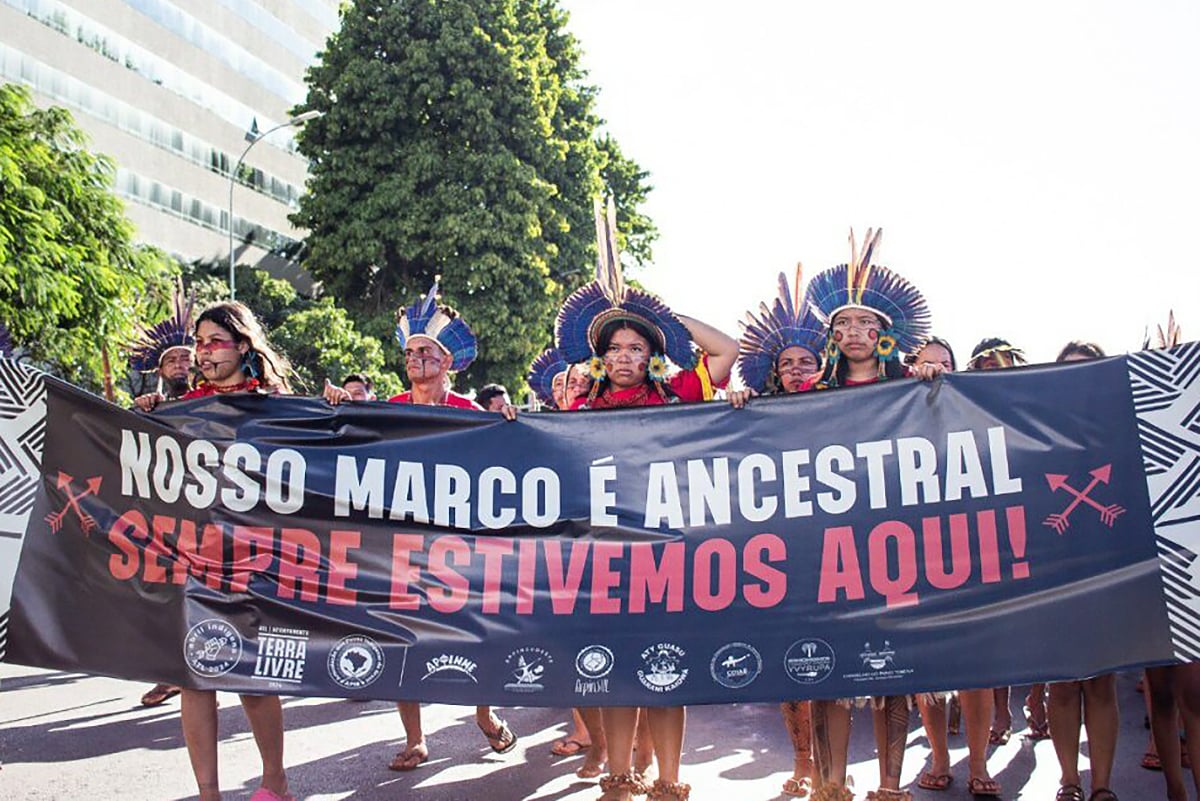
x,y
1005,353
1166,339
440,323
545,368
607,299
863,285
153,342
6,345
788,322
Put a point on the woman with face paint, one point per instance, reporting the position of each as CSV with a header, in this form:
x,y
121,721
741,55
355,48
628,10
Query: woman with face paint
x,y
780,349
872,316
627,337
556,383
234,357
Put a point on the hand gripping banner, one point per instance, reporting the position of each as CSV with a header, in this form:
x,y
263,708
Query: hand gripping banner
x,y
983,530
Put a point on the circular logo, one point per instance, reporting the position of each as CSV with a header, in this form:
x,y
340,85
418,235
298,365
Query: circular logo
x,y
662,669
594,662
527,669
212,648
735,665
809,661
355,662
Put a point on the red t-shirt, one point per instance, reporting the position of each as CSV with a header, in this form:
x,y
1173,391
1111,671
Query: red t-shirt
x,y
811,383
688,386
452,399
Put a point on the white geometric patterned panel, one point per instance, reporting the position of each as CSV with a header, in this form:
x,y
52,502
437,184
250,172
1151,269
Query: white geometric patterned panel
x,y
1166,399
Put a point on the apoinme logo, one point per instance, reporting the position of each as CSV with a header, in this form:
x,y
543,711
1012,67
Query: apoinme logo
x,y
212,648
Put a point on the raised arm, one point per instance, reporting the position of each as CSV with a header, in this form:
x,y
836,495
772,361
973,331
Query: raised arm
x,y
721,348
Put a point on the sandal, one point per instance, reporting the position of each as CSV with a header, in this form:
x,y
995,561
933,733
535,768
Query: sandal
x,y
986,787
1103,794
661,791
934,781
502,740
569,746
798,788
1151,761
159,694
1038,731
1069,792
999,737
410,758
263,794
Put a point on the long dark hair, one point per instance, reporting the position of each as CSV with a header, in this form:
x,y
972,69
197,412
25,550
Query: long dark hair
x,y
835,371
604,339
261,360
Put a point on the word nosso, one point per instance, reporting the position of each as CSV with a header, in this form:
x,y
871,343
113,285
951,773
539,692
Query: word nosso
x,y
240,478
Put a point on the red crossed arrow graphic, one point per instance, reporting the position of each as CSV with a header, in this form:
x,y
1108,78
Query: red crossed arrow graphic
x,y
1108,514
55,519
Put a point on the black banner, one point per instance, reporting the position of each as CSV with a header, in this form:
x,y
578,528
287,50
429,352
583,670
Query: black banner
x,y
876,540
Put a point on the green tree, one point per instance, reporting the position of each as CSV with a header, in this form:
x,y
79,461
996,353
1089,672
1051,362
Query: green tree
x,y
323,342
459,139
70,273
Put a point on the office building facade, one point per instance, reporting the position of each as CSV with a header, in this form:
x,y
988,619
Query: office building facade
x,y
175,91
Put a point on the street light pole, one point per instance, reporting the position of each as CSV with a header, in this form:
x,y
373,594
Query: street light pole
x,y
299,119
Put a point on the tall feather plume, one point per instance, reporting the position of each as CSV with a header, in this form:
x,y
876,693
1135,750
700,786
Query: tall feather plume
x,y
429,301
860,272
1173,335
797,298
608,254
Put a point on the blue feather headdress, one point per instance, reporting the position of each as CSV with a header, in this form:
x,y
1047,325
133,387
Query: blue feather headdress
x,y
789,322
862,285
153,342
545,368
607,299
440,323
6,345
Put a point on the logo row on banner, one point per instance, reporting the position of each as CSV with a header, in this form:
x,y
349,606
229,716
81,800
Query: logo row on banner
x,y
280,657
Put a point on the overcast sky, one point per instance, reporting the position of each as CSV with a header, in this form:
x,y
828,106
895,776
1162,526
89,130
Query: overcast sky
x,y
1034,165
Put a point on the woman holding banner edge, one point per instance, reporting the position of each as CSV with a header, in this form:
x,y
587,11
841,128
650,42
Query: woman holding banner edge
x,y
779,350
870,315
627,336
234,356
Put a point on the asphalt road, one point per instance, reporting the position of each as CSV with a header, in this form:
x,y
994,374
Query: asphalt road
x,y
71,736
